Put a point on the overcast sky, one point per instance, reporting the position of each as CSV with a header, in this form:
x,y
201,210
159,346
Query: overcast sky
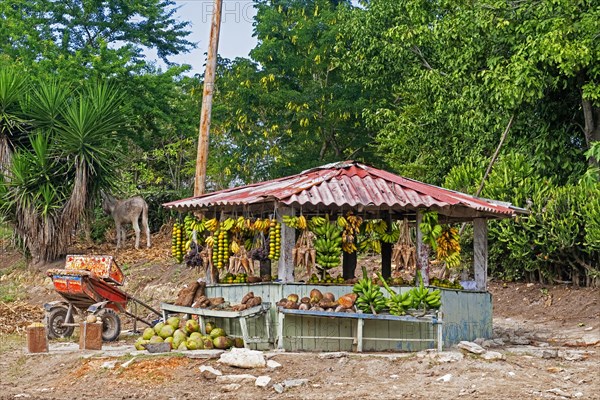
x,y
236,38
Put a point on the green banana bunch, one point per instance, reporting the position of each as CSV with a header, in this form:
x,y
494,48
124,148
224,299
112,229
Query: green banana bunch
x,y
328,244
370,298
397,302
422,297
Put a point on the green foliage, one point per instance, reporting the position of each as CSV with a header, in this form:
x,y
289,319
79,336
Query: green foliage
x,y
450,74
50,179
289,108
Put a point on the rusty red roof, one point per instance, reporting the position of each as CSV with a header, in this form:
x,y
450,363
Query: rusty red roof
x,y
349,184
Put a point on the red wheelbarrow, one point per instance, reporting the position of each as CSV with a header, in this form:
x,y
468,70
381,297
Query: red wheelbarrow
x,y
89,285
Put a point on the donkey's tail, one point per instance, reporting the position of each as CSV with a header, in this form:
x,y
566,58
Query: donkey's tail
x,y
145,222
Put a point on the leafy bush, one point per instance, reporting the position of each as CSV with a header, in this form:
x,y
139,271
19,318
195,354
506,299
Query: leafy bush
x,y
558,241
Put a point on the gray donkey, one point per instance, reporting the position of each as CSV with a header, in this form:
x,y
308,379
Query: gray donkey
x,y
125,212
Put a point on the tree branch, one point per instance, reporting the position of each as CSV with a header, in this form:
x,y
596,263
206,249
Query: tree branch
x,y
415,49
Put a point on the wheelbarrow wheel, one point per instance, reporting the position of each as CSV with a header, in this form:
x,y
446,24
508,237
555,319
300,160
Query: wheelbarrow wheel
x,y
111,325
54,321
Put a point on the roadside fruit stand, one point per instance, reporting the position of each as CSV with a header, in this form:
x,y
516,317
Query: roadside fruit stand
x,y
281,239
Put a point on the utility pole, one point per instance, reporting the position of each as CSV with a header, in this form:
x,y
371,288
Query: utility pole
x,y
207,94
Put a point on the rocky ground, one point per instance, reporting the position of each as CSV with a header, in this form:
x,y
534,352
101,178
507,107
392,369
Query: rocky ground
x,y
546,345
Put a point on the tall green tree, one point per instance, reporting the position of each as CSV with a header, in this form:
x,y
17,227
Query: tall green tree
x,y
288,107
451,74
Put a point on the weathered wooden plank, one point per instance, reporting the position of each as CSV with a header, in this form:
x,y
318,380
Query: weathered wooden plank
x,y
422,254
285,266
480,252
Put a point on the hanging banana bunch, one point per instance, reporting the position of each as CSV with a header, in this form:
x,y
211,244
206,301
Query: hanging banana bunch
x,y
328,244
448,247
351,228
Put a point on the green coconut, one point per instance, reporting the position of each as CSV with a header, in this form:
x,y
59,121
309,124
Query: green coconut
x,y
156,339
238,342
194,344
221,342
158,327
140,343
208,344
179,334
169,340
192,326
166,331
196,336
174,322
216,332
182,346
148,333
209,327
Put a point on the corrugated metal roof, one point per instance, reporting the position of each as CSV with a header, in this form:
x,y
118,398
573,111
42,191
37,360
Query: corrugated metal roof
x,y
350,184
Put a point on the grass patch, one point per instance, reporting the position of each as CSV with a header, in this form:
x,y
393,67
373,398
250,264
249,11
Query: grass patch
x,y
11,342
11,292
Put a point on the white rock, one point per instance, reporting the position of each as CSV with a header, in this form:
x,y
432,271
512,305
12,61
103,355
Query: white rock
x,y
471,347
578,394
209,372
128,363
243,358
445,378
394,376
492,356
263,381
278,388
231,387
448,356
273,364
242,378
511,374
294,382
335,354
109,364
559,392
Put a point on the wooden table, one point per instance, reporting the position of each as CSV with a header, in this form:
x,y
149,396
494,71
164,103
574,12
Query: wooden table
x,y
435,320
241,316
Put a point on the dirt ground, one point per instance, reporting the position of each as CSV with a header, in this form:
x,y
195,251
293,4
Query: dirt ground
x,y
549,337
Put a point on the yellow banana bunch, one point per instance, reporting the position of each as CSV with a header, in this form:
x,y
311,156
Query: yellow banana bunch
x,y
210,241
302,223
240,223
376,245
354,222
342,222
211,224
235,247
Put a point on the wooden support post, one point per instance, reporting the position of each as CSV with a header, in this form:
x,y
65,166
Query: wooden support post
x,y
422,251
480,252
349,265
285,268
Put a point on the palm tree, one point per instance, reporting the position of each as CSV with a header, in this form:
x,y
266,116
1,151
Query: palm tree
x,y
70,155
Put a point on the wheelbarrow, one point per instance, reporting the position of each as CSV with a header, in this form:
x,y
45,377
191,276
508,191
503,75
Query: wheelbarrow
x,y
89,286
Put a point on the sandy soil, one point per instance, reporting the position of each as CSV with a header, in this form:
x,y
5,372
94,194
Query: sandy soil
x,y
558,326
